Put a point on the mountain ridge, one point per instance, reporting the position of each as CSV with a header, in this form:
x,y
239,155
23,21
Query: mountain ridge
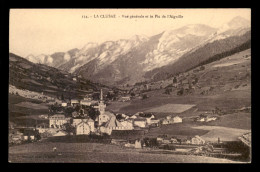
x,y
127,61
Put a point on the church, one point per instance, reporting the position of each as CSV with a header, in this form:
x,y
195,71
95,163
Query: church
x,y
103,116
107,121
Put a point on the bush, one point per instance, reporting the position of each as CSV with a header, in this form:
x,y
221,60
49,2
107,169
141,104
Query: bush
x,y
174,80
168,91
145,96
132,94
180,92
236,86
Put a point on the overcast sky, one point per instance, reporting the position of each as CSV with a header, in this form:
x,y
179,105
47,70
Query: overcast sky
x,y
45,31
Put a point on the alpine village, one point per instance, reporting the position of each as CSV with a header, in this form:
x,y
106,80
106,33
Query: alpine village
x,y
81,106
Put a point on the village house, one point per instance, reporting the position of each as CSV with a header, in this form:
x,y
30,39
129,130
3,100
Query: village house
x,y
138,144
88,121
125,99
200,119
42,127
83,128
208,118
85,102
43,116
160,138
148,119
60,133
205,118
140,122
63,104
246,140
57,121
29,134
177,119
114,124
121,117
128,124
133,117
197,140
154,121
166,141
88,97
172,120
174,140
74,102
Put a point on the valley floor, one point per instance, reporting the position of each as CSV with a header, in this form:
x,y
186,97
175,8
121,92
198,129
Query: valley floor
x,y
97,153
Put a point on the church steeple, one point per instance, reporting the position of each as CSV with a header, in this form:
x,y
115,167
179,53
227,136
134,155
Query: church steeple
x,y
101,106
101,95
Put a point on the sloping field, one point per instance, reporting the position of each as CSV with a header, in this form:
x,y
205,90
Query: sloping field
x,y
233,59
238,120
97,153
224,100
50,91
179,129
24,65
31,81
228,64
11,58
31,105
116,106
224,133
171,108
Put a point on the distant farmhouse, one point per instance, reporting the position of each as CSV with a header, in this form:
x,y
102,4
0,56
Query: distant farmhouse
x,y
57,121
172,120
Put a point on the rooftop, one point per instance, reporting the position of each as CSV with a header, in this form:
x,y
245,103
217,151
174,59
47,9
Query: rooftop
x,y
57,116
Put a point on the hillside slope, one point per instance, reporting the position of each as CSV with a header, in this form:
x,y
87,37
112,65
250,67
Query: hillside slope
x,y
206,54
24,74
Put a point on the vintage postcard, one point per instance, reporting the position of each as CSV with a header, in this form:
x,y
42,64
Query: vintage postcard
x,y
130,85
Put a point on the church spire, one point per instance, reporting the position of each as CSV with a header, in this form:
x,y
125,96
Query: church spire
x,y
101,95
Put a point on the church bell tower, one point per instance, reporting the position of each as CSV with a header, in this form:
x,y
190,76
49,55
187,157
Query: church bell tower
x,y
101,104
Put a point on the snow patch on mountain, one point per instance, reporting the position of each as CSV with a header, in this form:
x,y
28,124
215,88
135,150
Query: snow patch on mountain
x,y
75,67
236,27
88,46
49,60
66,57
31,58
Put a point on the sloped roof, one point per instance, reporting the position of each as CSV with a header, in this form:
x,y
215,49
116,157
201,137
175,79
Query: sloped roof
x,y
85,101
61,131
246,139
109,114
82,122
90,120
74,101
57,116
177,117
113,122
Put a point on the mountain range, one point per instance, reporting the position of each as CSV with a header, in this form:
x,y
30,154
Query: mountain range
x,y
127,61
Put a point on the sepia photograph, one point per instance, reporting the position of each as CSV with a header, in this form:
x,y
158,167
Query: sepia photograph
x,y
130,85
